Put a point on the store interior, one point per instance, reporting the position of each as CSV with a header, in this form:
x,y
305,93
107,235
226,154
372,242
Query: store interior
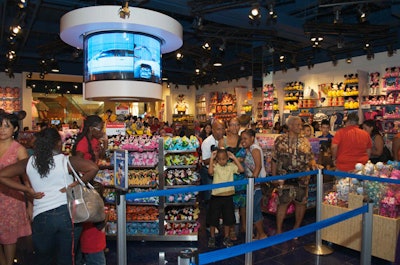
x,y
266,79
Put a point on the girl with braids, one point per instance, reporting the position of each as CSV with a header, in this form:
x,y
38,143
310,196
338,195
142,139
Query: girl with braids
x,y
14,218
87,144
53,233
93,237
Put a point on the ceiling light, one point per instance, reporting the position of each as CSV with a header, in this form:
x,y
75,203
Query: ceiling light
x,y
362,15
124,11
206,46
29,75
15,30
22,3
54,67
222,46
197,71
281,58
254,14
348,60
11,55
217,64
179,56
164,79
272,15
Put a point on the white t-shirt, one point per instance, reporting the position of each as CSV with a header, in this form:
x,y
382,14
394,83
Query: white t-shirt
x,y
206,147
50,185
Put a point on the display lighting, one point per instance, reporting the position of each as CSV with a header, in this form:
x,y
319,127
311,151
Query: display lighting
x,y
281,58
29,75
124,11
197,71
348,60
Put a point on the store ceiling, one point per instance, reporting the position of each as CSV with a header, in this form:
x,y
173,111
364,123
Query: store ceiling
x,y
245,49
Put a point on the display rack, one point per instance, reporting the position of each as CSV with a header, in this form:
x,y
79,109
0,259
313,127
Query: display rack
x,y
147,219
201,108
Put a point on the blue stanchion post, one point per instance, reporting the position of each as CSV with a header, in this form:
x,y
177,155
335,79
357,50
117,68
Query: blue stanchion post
x,y
318,248
121,227
366,242
249,218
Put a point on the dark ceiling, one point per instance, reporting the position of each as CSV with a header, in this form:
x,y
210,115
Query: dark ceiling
x,y
245,48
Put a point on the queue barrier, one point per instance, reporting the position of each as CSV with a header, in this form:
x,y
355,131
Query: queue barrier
x,y
251,246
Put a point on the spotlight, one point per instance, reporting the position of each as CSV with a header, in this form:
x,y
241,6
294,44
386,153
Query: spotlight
x,y
11,55
217,63
197,71
179,56
124,11
222,46
362,15
281,58
254,14
206,46
29,75
348,60
41,75
272,15
22,4
370,55
316,40
15,30
54,66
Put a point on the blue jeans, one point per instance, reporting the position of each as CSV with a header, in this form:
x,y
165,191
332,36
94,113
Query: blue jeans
x,y
54,236
257,214
97,258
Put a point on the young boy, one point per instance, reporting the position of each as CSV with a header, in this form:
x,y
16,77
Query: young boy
x,y
325,140
221,202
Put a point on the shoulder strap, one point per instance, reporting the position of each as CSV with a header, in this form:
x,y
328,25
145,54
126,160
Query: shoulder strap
x,y
76,175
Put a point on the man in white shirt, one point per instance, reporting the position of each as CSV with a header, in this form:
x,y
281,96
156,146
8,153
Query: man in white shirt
x,y
209,144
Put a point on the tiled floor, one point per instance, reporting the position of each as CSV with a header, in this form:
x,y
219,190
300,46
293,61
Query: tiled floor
x,y
290,252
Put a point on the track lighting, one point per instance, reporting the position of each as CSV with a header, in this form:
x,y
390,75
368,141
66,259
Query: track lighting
x,y
348,60
54,66
11,55
362,15
206,46
281,58
22,3
316,40
124,11
15,30
29,75
272,15
255,14
179,56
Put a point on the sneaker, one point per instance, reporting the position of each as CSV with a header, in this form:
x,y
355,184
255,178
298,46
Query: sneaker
x,y
227,242
211,242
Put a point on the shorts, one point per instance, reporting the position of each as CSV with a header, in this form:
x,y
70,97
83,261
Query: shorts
x,y
239,199
221,206
293,192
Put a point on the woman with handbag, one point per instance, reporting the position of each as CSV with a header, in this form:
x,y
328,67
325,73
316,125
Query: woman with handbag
x,y
54,235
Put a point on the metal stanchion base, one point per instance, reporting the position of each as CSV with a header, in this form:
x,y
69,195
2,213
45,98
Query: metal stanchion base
x,y
318,250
